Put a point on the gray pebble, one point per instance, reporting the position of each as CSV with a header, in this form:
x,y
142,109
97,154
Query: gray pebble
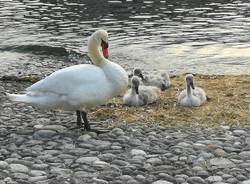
x,y
135,152
44,134
87,160
196,180
84,137
213,179
18,168
3,164
162,182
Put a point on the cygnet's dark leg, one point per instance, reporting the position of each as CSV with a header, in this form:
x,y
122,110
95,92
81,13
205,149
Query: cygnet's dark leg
x,y
85,120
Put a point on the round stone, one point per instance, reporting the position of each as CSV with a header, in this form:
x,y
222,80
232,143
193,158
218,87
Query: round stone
x,y
246,182
37,173
3,164
18,168
162,182
221,162
84,137
44,134
87,160
213,179
135,152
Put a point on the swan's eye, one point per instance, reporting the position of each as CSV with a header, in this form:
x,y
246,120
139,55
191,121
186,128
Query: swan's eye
x,y
104,44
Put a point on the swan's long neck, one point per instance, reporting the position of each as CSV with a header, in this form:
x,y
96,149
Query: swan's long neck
x,y
94,52
189,90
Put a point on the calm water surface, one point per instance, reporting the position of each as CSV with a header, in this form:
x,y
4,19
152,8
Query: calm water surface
x,y
202,36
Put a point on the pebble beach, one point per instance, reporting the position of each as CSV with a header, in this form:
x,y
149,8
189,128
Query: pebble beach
x,y
39,147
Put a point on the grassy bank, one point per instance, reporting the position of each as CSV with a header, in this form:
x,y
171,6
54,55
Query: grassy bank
x,y
229,104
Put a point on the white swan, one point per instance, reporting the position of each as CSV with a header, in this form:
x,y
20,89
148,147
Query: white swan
x,y
80,87
160,80
192,96
140,95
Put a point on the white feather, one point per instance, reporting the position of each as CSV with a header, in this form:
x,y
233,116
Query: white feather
x,y
78,87
196,97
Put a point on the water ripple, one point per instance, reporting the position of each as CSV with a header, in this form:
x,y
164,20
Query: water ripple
x,y
151,25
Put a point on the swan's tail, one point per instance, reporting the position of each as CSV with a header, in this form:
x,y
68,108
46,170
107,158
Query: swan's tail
x,y
17,97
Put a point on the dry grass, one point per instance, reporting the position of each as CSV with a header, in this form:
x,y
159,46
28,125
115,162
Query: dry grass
x,y
229,105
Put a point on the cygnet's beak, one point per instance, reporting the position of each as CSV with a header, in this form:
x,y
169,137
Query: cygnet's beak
x,y
192,84
137,90
163,87
105,49
141,76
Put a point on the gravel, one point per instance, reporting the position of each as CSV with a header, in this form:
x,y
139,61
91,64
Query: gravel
x,y
40,147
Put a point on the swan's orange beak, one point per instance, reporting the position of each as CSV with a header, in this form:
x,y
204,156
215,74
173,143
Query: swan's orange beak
x,y
105,49
105,52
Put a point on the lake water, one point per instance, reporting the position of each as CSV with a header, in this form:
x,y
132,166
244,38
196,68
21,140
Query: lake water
x,y
201,36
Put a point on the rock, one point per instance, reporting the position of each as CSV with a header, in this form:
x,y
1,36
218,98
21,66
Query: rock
x,y
239,132
20,176
241,177
100,181
183,144
167,177
116,147
40,166
135,152
154,161
245,154
141,178
37,173
162,182
197,169
120,162
107,157
18,168
233,180
213,179
118,131
246,182
247,141
199,146
213,146
37,179
221,163
125,177
219,152
100,164
64,173
196,180
44,134
57,128
87,160
202,174
84,137
3,164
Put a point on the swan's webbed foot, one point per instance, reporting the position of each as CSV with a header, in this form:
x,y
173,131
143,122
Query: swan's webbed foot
x,y
79,123
87,126
82,123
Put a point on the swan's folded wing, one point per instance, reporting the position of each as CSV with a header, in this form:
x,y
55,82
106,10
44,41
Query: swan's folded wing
x,y
182,95
68,79
200,93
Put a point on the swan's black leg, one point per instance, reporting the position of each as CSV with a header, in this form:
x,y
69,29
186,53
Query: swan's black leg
x,y
87,125
79,119
85,120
